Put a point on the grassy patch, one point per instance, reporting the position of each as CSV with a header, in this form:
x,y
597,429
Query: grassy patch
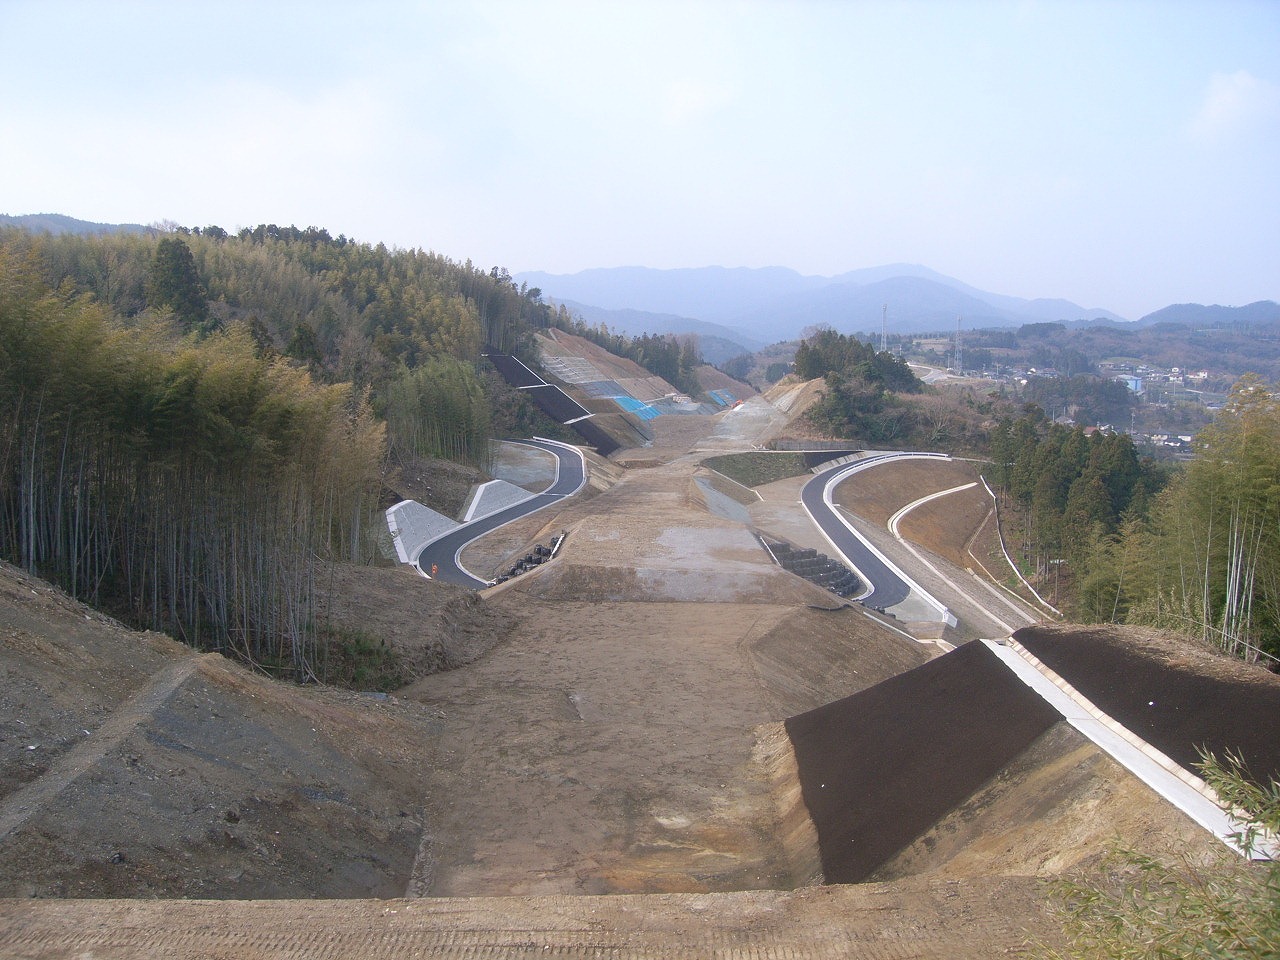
x,y
359,661
757,469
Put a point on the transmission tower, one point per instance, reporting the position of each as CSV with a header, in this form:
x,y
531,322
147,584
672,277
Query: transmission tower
x,y
959,352
884,328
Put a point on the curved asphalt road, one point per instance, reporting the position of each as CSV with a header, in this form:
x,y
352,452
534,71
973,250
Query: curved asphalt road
x,y
887,584
571,474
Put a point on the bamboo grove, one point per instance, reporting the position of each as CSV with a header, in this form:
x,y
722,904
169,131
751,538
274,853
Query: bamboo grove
x,y
192,424
193,487
346,311
1207,559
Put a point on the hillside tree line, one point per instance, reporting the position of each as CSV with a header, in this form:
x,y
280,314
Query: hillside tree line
x,y
1196,551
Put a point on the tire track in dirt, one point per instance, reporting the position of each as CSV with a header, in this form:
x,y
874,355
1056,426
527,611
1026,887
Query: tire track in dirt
x,y
22,804
905,921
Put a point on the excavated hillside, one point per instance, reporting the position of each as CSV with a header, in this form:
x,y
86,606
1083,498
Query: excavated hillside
x,y
645,717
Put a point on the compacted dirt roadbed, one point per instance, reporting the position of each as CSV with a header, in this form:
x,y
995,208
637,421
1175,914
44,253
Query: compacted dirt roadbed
x,y
937,920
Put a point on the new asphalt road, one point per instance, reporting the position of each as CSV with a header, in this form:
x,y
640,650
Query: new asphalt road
x,y
443,552
887,584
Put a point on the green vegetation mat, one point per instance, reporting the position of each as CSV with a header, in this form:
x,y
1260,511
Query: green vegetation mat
x,y
757,469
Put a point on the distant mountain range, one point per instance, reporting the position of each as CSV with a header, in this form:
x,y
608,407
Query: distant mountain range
x,y
57,223
717,341
740,309
1263,311
775,303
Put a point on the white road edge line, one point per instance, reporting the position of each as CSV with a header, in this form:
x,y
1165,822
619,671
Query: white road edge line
x,y
964,594
457,556
1013,566
857,467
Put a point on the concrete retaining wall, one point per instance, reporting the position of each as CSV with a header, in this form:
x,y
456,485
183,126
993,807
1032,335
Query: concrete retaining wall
x,y
412,526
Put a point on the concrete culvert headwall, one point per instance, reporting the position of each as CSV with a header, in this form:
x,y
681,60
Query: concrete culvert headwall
x,y
880,767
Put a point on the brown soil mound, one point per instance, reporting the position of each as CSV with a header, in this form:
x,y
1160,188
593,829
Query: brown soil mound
x,y
63,672
882,766
709,378
429,625
945,526
135,767
1179,698
557,343
816,656
439,484
1058,806
877,493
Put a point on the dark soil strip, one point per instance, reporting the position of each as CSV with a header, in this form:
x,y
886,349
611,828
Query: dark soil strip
x,y
555,403
879,768
513,371
1174,709
597,437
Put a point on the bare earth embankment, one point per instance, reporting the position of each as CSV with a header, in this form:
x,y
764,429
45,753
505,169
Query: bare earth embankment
x,y
643,717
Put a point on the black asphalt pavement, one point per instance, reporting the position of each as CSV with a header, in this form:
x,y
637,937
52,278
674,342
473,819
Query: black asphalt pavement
x,y
887,588
443,551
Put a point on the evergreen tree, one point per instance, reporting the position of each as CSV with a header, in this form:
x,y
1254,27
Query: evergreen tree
x,y
174,284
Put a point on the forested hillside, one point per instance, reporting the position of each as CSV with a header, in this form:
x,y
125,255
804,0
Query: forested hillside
x,y
1196,550
193,423
346,311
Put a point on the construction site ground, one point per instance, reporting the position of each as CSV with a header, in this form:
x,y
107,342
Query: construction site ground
x,y
603,769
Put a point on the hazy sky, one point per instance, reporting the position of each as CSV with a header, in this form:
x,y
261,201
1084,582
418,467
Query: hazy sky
x,y
1121,154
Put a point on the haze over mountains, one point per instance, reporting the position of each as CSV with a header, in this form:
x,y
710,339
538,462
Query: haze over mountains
x,y
775,303
742,307
753,306
60,223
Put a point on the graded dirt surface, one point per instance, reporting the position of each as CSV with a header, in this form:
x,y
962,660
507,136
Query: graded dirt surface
x,y
135,767
614,723
610,744
929,920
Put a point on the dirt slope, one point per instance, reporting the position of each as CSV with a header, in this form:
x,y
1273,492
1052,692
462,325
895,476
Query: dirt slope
x,y
1178,698
616,726
882,766
135,768
1056,807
